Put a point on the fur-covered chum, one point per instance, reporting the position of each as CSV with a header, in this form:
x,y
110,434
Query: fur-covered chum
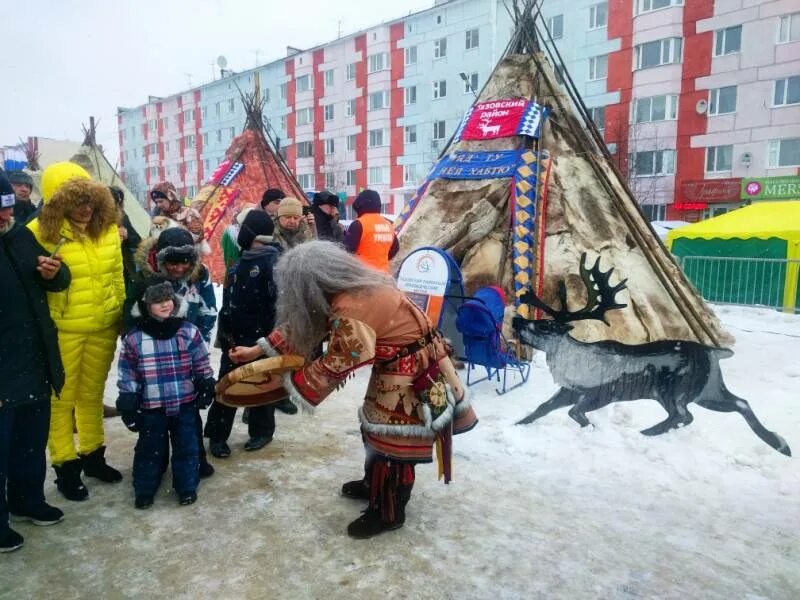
x,y
71,194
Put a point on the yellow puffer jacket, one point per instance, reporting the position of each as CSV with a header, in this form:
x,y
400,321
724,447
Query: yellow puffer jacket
x,y
94,299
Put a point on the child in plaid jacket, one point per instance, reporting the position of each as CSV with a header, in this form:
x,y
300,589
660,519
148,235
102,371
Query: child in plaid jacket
x,y
164,376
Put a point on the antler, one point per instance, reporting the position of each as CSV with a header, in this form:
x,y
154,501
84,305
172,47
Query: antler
x,y
600,296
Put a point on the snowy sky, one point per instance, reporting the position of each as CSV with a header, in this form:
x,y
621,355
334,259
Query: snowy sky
x,y
64,61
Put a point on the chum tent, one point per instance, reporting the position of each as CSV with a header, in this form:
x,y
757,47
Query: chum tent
x,y
251,166
526,186
766,232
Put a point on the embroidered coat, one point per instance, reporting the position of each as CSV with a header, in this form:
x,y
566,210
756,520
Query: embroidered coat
x,y
371,327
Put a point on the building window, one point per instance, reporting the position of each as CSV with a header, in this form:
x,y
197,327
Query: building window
x,y
218,108
329,78
330,181
350,108
153,171
719,158
153,124
654,212
439,89
411,55
231,105
204,112
598,114
652,162
787,91
377,62
598,67
284,90
556,27
205,141
328,110
655,108
189,141
305,149
440,48
191,166
378,100
410,174
377,175
304,83
305,116
284,122
350,72
659,52
306,181
410,95
471,39
789,28
219,135
643,6
351,178
722,101
783,153
351,142
165,122
206,164
471,84
439,128
377,137
598,15
410,134
728,40
232,132
330,146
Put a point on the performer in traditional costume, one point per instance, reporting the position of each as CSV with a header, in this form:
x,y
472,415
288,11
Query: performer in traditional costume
x,y
414,400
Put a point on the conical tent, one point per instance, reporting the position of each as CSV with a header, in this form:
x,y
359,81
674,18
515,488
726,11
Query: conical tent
x,y
550,193
91,157
250,167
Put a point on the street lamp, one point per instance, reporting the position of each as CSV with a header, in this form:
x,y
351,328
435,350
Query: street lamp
x,y
469,84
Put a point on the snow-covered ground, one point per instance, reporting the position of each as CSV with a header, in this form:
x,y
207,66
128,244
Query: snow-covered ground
x,y
547,510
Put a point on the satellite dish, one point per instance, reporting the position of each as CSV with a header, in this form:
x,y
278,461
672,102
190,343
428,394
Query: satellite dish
x,y
222,62
701,107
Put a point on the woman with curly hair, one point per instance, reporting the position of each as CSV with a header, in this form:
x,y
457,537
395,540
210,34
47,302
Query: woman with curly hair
x,y
79,218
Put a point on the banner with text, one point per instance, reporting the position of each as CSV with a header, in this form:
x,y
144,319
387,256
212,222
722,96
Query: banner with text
x,y
477,165
501,118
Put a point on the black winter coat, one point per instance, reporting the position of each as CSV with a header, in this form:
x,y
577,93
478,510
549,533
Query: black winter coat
x,y
327,228
29,355
248,301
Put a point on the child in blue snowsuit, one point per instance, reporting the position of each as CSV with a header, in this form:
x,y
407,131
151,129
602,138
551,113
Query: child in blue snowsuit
x,y
164,376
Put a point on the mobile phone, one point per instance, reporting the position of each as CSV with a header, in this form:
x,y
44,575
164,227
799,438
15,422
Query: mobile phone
x,y
58,247
306,210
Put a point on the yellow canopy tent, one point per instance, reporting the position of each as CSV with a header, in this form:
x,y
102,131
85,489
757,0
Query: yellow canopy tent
x,y
767,231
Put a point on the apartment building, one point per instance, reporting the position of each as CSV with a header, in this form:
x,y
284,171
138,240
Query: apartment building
x,y
699,103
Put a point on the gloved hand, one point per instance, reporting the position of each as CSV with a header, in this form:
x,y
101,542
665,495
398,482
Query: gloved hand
x,y
130,419
205,392
128,406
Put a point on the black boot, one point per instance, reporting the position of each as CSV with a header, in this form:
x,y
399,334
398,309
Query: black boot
x,y
94,465
286,406
370,524
358,490
68,480
10,541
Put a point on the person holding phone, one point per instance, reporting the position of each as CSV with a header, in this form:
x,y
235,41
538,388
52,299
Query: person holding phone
x,y
294,224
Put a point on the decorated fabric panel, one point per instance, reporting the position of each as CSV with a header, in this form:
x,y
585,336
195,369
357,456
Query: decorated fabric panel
x,y
501,118
524,223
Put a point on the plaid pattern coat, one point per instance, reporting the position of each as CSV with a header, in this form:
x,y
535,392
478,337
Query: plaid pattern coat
x,y
163,372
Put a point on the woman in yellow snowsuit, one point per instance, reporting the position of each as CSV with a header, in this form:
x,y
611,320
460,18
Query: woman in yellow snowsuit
x,y
80,214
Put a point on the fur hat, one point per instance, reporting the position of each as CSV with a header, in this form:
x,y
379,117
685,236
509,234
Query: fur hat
x,y
368,201
20,177
326,197
153,290
257,225
271,195
175,245
290,207
7,197
241,213
57,174
164,190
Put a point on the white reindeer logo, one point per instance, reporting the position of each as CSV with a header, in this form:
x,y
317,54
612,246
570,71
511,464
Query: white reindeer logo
x,y
487,129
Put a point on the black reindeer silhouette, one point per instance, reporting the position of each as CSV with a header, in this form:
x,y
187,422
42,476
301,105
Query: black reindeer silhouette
x,y
592,375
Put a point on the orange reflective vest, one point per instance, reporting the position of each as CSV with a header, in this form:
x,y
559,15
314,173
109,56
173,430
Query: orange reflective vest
x,y
377,236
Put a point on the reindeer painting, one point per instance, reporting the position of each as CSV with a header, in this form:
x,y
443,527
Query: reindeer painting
x,y
487,129
593,375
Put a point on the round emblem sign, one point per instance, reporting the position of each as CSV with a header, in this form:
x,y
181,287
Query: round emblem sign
x,y
753,188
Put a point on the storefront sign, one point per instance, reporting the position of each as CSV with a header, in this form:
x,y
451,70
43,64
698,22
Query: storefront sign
x,y
712,190
771,188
